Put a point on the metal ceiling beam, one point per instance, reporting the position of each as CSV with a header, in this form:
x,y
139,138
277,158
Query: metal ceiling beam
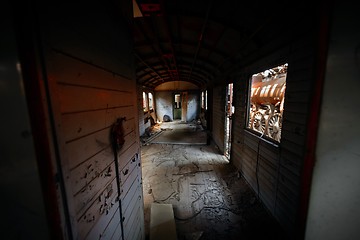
x,y
201,36
141,72
155,82
211,49
158,44
167,30
198,76
184,60
158,51
143,62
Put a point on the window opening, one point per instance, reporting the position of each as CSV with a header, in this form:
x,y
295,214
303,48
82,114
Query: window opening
x,y
203,100
206,102
266,102
145,104
151,101
229,111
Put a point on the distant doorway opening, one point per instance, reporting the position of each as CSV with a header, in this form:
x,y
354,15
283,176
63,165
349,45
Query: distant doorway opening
x,y
180,106
177,106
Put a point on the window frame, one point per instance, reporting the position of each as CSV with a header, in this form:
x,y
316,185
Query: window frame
x,y
150,106
276,110
204,99
145,102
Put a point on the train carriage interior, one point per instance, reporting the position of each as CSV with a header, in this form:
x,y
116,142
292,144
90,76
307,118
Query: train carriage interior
x,y
187,120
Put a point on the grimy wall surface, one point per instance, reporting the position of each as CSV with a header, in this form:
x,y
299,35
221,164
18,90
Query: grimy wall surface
x,y
164,101
218,116
89,70
274,170
335,194
23,215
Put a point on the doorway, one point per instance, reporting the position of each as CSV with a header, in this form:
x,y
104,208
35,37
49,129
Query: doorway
x,y
180,106
177,106
229,111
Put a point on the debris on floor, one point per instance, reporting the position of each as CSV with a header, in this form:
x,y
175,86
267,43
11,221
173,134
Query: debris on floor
x,y
210,200
150,133
176,132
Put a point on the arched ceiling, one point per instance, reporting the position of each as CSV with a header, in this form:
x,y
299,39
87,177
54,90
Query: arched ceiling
x,y
203,41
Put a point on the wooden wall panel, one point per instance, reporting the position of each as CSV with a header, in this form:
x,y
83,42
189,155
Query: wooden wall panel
x,y
76,72
91,84
106,225
110,229
86,114
134,226
91,190
101,209
276,168
86,123
218,116
118,233
77,99
85,148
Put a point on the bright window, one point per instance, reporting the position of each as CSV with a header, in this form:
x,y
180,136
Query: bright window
x,y
145,105
204,100
151,101
266,102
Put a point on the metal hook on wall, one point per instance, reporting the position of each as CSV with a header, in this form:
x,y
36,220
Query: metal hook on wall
x,y
117,134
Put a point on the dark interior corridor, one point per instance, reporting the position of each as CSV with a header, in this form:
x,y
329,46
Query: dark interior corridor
x,y
81,83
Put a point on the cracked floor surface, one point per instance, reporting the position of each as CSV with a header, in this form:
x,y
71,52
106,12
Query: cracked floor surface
x,y
209,199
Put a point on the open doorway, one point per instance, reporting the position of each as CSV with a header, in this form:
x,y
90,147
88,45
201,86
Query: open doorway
x,y
229,111
180,106
177,106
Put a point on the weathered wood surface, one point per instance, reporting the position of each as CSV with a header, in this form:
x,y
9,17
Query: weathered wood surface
x,y
70,70
101,210
218,117
111,229
87,194
277,169
89,100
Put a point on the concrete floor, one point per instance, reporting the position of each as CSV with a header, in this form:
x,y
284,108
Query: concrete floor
x,y
209,198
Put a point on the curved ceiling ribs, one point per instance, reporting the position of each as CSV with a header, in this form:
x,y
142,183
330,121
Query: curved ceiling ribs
x,y
143,75
161,55
201,36
184,40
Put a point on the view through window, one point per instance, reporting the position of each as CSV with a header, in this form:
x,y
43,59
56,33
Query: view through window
x,y
266,103
151,101
145,106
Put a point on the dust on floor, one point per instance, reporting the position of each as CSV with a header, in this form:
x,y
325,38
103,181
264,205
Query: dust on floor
x,y
210,199
176,132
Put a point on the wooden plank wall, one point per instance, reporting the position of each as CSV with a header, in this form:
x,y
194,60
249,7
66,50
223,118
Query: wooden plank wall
x,y
90,88
274,170
218,116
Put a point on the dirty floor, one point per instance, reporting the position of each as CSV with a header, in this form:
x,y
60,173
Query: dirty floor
x,y
210,199
178,132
